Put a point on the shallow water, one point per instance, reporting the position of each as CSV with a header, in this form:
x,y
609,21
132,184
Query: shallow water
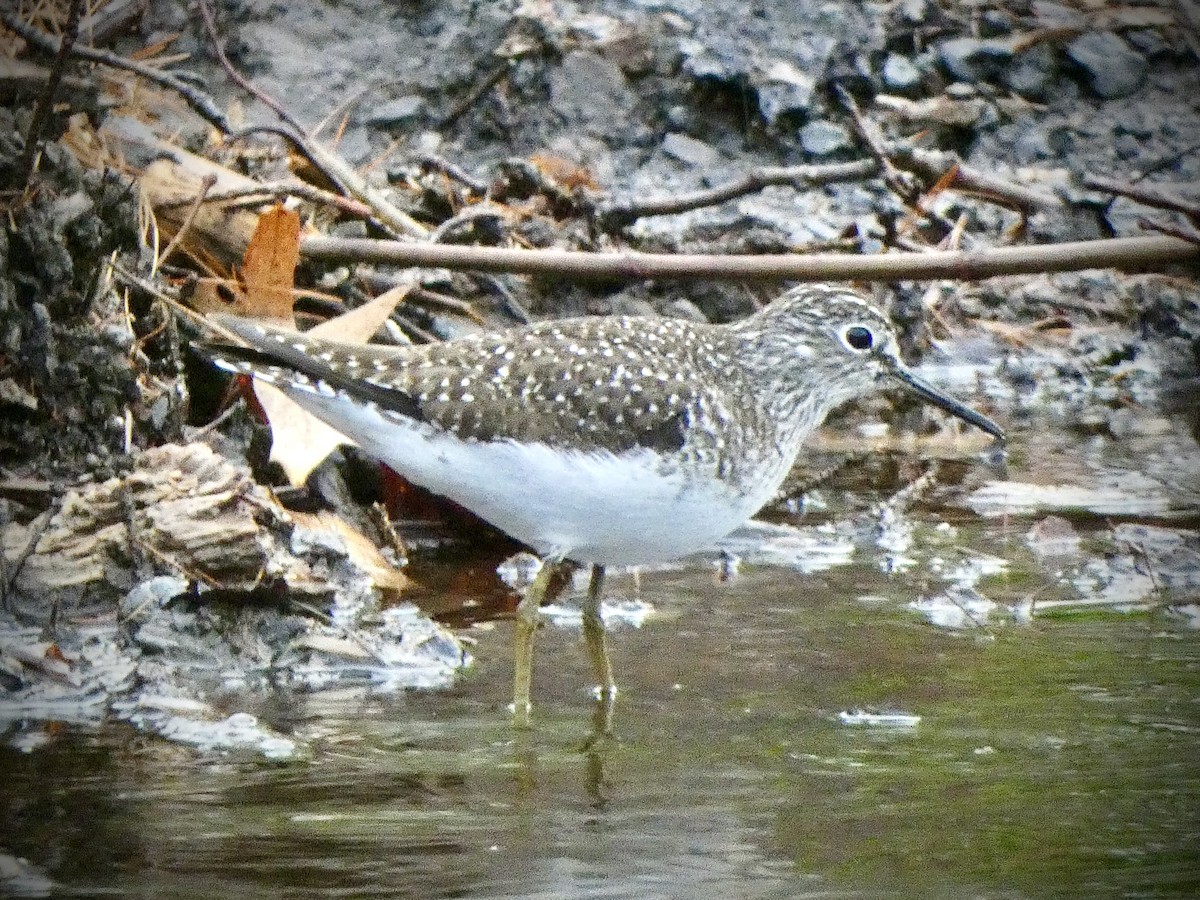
x,y
801,729
1049,760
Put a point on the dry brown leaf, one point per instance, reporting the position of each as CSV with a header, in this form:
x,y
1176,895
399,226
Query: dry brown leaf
x,y
562,171
268,273
300,441
152,50
269,266
1023,335
383,574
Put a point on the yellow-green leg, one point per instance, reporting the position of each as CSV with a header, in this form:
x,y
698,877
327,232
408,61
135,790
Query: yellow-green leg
x,y
597,647
523,632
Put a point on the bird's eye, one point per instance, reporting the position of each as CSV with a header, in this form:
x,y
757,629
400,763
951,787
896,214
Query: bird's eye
x,y
858,337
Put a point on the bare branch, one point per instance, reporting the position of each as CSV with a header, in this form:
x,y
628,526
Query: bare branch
x,y
624,212
201,103
1149,194
1119,253
41,112
210,26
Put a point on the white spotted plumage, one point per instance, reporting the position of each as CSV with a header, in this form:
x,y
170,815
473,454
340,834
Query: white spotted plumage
x,y
615,440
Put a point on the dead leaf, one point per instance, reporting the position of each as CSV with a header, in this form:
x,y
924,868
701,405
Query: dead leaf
x,y
562,171
300,441
361,550
269,266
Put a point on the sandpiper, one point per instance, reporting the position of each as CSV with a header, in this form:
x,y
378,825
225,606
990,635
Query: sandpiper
x,y
614,440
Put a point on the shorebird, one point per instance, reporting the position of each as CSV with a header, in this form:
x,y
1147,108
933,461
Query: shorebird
x,y
616,440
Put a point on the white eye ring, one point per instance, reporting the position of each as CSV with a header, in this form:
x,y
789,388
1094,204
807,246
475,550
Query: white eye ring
x,y
858,338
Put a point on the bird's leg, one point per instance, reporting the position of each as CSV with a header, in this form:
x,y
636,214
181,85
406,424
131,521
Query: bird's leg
x,y
523,631
593,636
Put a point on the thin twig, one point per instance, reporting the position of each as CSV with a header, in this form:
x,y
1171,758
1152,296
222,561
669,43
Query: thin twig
x,y
931,164
443,301
111,20
205,185
192,434
618,213
475,94
387,215
1191,236
153,290
902,183
166,559
210,25
201,103
468,218
453,172
1115,253
1143,193
41,112
257,194
37,527
346,631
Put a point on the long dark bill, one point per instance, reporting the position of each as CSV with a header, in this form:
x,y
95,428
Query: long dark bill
x,y
927,391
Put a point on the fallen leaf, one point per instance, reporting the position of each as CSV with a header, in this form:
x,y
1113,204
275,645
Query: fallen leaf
x,y
361,549
269,266
300,441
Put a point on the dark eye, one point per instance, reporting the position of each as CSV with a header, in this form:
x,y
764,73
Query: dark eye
x,y
858,337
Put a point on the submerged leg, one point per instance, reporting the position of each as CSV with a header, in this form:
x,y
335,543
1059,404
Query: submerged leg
x,y
523,631
593,635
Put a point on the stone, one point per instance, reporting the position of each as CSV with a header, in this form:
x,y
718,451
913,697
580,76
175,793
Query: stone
x,y
591,93
995,22
1113,67
975,59
683,308
785,88
396,112
821,137
915,11
690,151
1033,73
1148,42
900,73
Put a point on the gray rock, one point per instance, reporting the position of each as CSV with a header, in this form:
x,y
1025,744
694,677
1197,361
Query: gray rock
x,y
1148,42
900,73
821,137
915,11
149,596
1059,15
1041,143
632,306
1114,68
351,228
680,117
396,112
591,93
974,59
786,86
995,22
683,308
690,151
1033,73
